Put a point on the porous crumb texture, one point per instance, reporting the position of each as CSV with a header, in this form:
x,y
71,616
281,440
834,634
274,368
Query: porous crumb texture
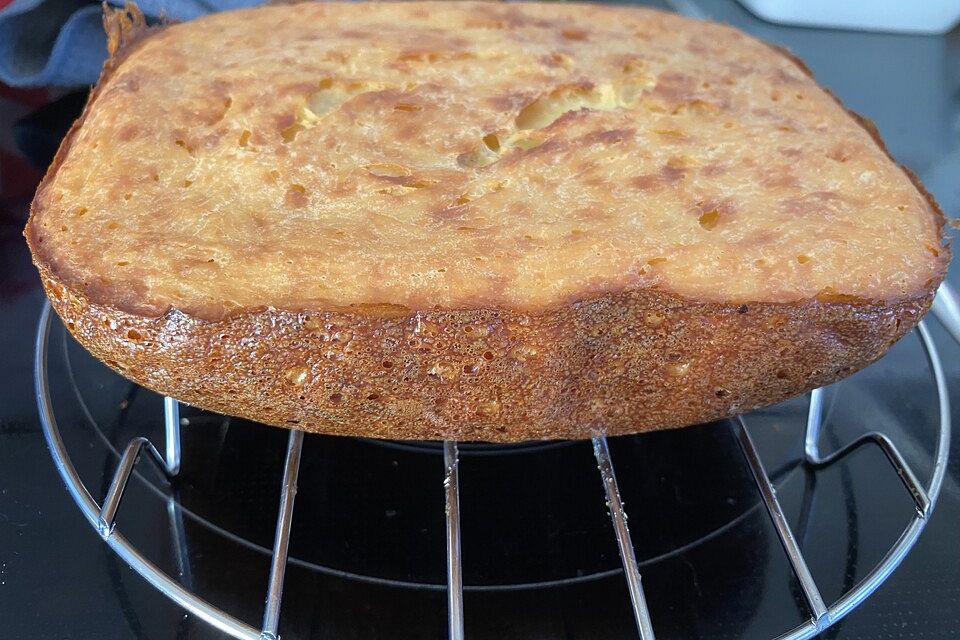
x,y
481,221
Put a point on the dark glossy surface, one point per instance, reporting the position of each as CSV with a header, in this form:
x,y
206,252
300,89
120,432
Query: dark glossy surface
x,y
369,512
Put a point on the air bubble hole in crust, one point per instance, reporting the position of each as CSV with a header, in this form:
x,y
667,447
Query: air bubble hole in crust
x,y
549,108
708,219
289,134
183,145
574,34
387,170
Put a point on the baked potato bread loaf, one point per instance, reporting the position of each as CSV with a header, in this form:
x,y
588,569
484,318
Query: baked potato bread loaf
x,y
476,221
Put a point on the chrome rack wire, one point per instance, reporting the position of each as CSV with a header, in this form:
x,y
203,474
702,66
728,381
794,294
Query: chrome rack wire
x,y
108,512
171,432
821,616
451,484
946,306
281,540
627,554
103,518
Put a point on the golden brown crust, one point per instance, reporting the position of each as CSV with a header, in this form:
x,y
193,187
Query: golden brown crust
x,y
617,357
946,252
482,156
625,363
126,29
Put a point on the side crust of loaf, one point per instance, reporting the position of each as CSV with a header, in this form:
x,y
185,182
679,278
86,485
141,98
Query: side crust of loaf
x,y
621,363
618,362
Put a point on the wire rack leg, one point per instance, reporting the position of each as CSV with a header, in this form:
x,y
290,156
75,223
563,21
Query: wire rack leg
x,y
619,517
179,536
170,464
811,592
281,541
111,503
811,439
171,431
816,459
451,485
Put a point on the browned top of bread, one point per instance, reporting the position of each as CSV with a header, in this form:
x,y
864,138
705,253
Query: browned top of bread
x,y
469,155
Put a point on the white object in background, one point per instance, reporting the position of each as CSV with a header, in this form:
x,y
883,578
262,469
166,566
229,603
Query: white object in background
x,y
900,16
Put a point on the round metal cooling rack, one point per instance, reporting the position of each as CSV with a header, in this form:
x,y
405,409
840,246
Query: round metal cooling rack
x,y
821,615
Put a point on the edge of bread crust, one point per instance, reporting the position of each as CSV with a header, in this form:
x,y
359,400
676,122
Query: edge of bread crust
x,y
126,29
870,127
621,362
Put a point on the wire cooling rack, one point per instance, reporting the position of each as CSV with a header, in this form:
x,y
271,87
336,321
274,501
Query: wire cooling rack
x,y
102,516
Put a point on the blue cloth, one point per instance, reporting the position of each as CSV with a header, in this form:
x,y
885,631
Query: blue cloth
x,y
62,43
